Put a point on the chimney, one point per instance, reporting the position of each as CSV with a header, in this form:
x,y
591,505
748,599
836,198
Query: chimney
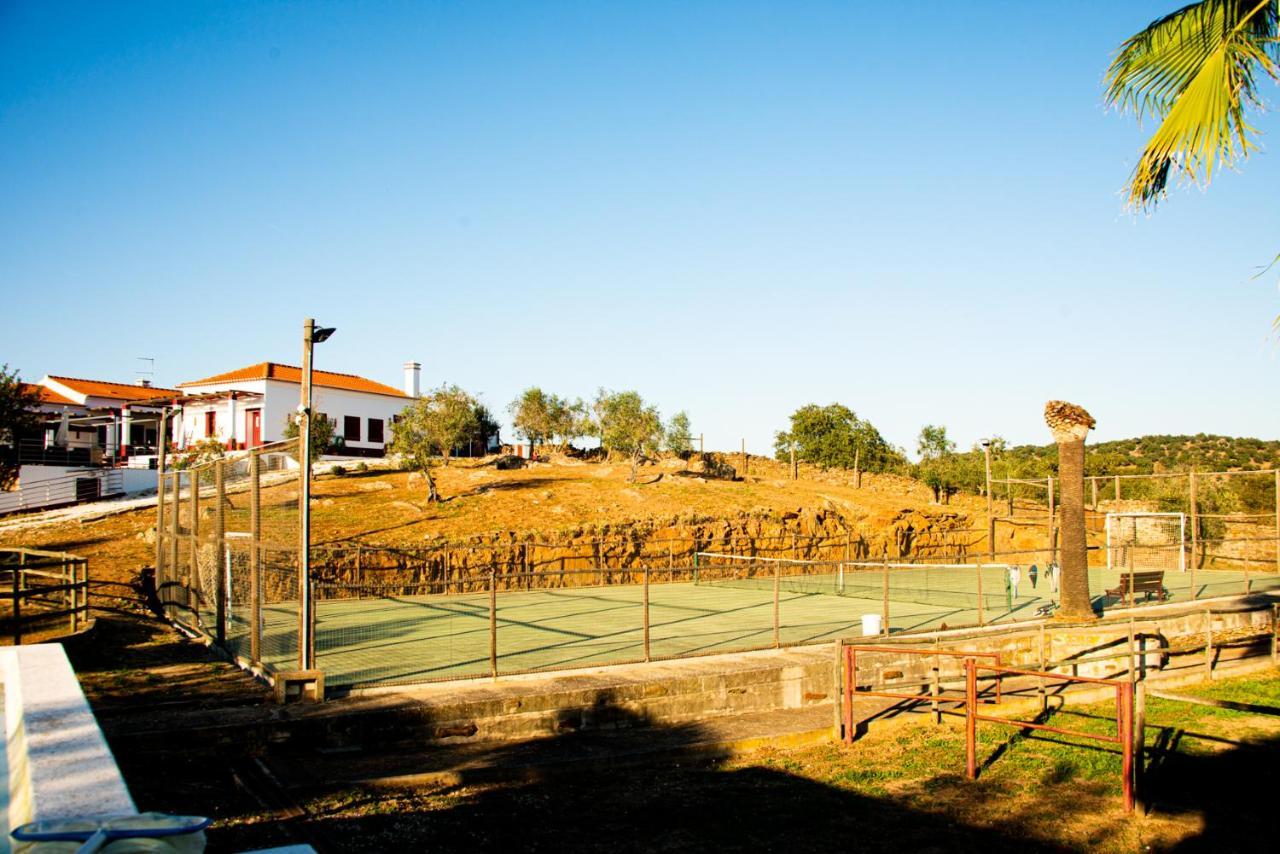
x,y
144,382
412,378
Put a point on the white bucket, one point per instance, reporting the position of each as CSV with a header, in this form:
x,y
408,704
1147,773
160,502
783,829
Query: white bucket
x,y
870,624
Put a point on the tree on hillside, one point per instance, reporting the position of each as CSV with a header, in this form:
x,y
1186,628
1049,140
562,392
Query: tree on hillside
x,y
19,405
486,429
1195,71
628,426
938,465
435,423
835,437
534,416
676,437
566,422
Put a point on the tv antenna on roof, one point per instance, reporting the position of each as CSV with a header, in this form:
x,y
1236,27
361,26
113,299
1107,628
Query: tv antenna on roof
x,y
146,377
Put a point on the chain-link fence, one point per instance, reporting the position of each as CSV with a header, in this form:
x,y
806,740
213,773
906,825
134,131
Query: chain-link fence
x,y
228,541
229,559
427,622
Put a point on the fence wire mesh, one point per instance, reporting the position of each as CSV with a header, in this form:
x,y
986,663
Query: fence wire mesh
x,y
229,542
230,559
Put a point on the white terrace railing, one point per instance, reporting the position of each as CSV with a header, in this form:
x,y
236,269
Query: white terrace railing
x,y
71,488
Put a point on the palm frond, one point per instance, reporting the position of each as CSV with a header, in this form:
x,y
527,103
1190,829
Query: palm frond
x,y
1194,70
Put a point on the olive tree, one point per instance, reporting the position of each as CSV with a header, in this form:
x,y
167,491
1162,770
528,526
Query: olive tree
x,y
629,427
676,437
322,433
434,424
19,404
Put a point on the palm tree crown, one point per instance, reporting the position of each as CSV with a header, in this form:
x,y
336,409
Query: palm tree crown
x,y
1195,72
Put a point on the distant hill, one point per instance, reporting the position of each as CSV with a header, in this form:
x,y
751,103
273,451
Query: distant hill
x,y
1152,454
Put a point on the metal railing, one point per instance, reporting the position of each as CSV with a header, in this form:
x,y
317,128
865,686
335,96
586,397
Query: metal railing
x,y
42,589
71,488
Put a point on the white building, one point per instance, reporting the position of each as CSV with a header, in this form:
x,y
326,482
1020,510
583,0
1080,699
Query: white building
x,y
114,420
252,406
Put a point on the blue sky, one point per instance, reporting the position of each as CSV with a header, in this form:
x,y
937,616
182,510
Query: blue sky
x,y
735,208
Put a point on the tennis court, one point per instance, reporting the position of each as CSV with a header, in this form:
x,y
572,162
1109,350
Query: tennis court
x,y
368,636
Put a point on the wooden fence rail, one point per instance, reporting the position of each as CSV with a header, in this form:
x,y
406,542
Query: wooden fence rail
x,y
43,587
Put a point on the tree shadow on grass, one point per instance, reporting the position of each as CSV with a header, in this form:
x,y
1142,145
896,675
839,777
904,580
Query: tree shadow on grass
x,y
608,779
1232,788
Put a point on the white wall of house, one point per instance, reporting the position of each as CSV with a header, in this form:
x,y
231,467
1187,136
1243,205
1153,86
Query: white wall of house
x,y
339,404
278,401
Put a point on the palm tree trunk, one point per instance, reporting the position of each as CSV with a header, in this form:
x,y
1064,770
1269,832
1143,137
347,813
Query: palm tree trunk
x,y
1076,602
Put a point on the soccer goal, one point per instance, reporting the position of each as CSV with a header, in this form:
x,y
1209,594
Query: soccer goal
x,y
1145,541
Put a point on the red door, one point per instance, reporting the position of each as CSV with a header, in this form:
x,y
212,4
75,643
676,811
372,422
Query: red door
x,y
253,427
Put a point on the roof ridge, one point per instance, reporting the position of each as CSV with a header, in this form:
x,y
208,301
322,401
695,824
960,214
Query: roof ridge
x,y
104,382
267,370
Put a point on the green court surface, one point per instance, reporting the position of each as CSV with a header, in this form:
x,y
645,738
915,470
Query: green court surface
x,y
362,642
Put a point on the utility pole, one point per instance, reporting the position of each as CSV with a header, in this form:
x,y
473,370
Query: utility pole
x,y
304,500
311,335
991,517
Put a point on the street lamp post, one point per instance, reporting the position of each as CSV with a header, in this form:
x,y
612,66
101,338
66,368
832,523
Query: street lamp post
x,y
311,335
991,519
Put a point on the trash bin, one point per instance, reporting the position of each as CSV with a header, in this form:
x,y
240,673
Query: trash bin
x,y
870,625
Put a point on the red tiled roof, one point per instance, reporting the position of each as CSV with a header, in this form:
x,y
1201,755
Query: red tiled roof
x,y
291,374
115,391
48,395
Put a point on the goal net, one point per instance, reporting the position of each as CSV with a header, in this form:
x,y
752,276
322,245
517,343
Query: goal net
x,y
1146,541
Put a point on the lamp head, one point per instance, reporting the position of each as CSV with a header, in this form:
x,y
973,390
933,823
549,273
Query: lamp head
x,y
321,334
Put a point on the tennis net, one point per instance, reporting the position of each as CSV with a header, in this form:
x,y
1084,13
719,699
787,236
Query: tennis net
x,y
961,586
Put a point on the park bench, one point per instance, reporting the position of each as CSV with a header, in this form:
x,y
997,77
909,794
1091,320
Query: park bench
x,y
1134,583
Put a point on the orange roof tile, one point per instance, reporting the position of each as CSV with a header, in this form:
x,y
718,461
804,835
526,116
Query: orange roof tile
x,y
115,391
48,395
291,374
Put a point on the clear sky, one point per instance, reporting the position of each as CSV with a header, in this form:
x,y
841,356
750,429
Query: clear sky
x,y
735,208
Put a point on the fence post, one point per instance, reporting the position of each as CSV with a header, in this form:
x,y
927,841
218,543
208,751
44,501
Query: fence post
x,y
71,596
17,600
744,458
934,687
1117,482
776,585
84,596
1139,738
1093,487
173,534
220,540
646,612
1278,520
1195,520
255,558
193,507
360,573
1275,639
493,625
1126,742
837,694
884,594
970,718
1040,686
850,672
1208,644
1053,543
981,617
